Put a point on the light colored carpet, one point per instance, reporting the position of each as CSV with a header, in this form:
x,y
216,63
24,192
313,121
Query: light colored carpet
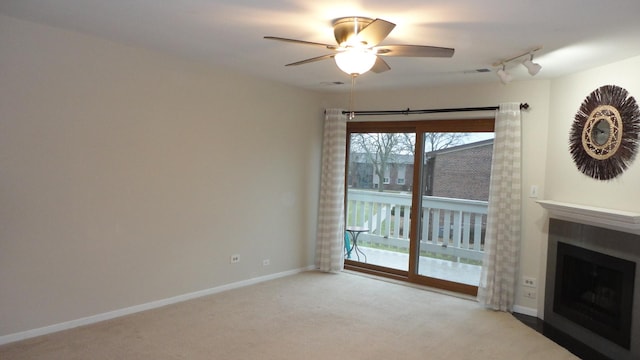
x,y
306,316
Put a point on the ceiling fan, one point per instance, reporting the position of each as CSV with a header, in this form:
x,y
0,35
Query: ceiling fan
x,y
357,50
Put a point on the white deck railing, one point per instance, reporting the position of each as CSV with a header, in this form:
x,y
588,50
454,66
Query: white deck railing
x,y
453,227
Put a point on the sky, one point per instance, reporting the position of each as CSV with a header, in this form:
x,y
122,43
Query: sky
x,y
474,137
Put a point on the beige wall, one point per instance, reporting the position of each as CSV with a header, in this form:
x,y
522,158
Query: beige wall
x,y
564,182
127,176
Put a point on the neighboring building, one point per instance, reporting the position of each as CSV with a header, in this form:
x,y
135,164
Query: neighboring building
x,y
398,175
457,172
461,172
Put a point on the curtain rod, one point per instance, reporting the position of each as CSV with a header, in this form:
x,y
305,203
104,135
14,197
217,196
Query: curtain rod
x,y
523,106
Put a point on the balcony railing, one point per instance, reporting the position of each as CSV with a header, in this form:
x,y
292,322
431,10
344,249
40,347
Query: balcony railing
x,y
450,228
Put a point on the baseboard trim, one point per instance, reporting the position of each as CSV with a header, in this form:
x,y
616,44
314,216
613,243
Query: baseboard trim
x,y
23,335
525,310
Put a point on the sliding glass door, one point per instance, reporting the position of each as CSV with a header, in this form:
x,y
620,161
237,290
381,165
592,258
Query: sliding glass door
x,y
379,182
416,200
454,190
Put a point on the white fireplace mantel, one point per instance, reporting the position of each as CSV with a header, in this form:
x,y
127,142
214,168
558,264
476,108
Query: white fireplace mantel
x,y
626,221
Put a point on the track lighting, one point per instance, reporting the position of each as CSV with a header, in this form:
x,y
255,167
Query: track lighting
x,y
532,67
504,76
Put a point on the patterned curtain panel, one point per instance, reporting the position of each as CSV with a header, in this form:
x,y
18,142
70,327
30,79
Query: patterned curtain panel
x,y
329,242
502,241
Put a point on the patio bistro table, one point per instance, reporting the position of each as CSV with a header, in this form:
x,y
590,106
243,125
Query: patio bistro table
x,y
355,231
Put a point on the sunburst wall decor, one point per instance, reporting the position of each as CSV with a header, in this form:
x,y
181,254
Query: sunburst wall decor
x,y
604,135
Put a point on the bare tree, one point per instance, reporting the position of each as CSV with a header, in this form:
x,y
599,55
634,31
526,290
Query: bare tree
x,y
380,150
433,141
439,140
408,141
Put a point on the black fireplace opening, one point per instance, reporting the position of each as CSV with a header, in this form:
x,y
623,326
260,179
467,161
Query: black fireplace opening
x,y
595,290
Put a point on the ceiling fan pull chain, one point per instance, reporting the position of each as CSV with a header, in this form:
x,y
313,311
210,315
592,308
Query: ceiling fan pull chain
x,y
353,83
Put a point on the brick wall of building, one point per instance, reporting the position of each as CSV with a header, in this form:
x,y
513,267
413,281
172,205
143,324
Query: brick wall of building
x,y
463,173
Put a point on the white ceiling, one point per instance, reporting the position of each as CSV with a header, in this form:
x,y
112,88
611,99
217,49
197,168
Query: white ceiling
x,y
575,34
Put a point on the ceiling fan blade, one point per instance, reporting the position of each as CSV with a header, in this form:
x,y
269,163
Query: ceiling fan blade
x,y
376,31
317,58
380,66
414,51
327,46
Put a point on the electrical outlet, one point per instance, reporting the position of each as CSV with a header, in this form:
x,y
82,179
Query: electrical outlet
x,y
235,258
266,262
529,282
531,294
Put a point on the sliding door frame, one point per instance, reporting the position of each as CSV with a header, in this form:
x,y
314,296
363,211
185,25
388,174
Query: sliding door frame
x,y
419,128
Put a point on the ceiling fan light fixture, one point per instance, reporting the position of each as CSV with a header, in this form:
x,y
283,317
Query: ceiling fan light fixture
x,y
355,61
358,50
532,67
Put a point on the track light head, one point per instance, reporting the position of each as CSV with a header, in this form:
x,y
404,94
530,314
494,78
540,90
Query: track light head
x,y
504,76
532,67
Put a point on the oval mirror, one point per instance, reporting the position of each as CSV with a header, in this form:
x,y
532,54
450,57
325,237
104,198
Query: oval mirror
x,y
600,132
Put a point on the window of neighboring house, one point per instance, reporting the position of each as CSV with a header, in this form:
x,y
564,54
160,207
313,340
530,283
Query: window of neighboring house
x,y
401,172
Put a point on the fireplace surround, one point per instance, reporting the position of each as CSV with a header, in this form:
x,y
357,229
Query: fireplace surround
x,y
592,290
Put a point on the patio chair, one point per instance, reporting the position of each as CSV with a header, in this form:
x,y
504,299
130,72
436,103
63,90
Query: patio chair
x,y
347,245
